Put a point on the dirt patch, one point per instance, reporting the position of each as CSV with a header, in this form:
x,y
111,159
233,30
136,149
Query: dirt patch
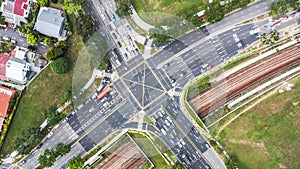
x,y
252,144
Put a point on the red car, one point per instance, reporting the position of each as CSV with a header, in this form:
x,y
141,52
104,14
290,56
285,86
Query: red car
x,y
210,67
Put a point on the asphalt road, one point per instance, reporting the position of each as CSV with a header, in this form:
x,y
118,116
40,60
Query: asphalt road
x,y
21,40
91,124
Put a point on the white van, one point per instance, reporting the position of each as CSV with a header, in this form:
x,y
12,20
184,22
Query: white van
x,y
6,38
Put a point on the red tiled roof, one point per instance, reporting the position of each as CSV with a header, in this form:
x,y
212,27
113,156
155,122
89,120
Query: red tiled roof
x,y
18,9
4,102
3,60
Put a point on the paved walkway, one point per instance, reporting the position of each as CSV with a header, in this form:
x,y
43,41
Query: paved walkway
x,y
96,73
18,87
142,24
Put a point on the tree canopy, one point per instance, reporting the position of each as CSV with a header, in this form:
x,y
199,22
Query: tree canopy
x,y
124,8
159,35
76,163
56,51
214,12
60,65
73,6
31,39
47,159
43,2
282,7
30,138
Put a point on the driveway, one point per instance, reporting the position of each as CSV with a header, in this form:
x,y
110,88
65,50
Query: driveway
x,y
21,40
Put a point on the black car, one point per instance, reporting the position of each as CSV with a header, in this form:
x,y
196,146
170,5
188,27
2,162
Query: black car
x,y
39,146
119,43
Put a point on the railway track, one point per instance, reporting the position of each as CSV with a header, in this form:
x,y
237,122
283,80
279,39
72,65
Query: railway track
x,y
234,85
126,155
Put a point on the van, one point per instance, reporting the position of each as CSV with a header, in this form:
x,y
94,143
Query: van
x,y
6,38
13,41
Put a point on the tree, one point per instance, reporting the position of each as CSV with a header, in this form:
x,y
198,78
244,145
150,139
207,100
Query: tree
x,y
49,41
104,63
31,39
52,117
29,139
57,50
159,35
2,19
214,12
43,2
47,159
60,65
62,149
124,9
76,163
73,6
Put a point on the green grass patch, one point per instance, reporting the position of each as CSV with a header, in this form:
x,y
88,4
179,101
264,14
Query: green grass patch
x,y
181,8
148,120
147,165
194,115
267,136
57,5
140,46
198,86
48,89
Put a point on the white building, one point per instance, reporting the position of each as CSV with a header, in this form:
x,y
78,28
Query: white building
x,y
50,22
16,70
15,11
20,54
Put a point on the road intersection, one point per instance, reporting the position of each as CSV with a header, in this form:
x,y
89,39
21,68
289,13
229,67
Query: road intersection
x,y
143,85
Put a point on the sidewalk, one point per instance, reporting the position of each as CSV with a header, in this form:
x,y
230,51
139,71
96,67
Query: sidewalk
x,y
136,18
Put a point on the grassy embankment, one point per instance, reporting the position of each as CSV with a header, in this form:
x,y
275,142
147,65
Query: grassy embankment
x,y
267,136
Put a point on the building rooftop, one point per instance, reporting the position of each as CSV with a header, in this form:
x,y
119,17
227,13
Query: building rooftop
x,y
19,7
21,54
16,69
3,60
5,95
50,22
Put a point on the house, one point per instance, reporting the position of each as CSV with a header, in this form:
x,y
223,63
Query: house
x,y
20,54
3,60
15,11
50,22
5,95
16,70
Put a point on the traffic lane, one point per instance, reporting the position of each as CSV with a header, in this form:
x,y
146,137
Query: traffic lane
x,y
191,37
174,139
62,161
99,115
172,48
112,123
253,10
22,41
89,9
163,78
127,95
63,133
180,119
